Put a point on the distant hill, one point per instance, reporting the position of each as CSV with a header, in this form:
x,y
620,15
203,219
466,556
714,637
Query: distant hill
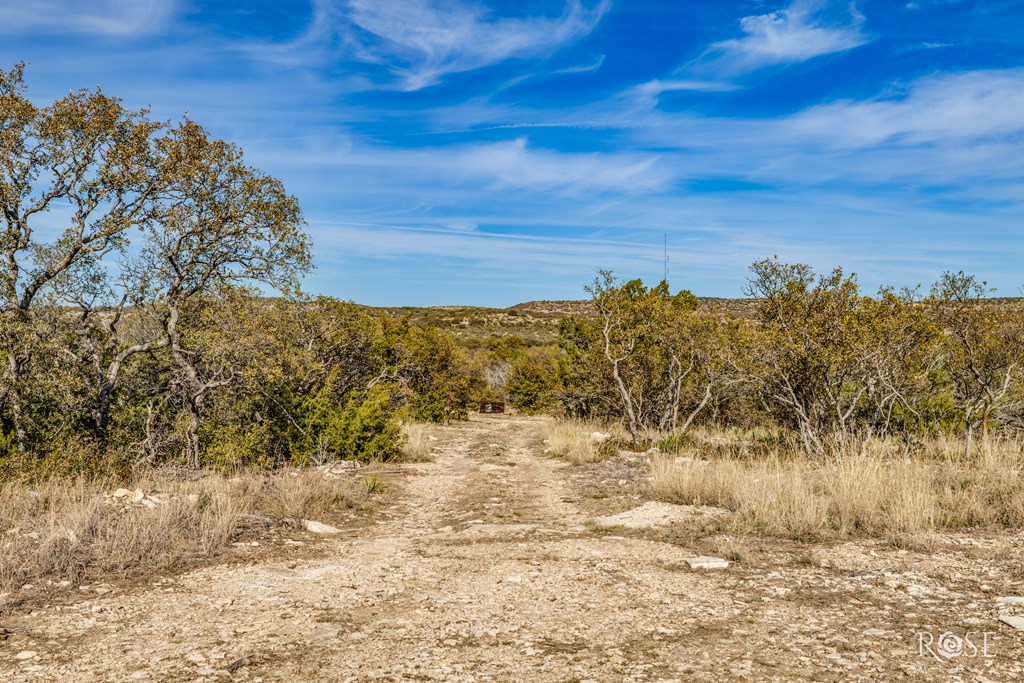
x,y
555,309
743,308
536,321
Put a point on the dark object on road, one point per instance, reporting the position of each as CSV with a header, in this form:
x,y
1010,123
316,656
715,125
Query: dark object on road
x,y
492,407
238,664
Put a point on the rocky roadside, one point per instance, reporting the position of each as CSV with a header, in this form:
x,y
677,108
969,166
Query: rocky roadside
x,y
497,563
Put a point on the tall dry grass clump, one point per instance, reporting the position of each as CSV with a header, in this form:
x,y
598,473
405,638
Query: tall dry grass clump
x,y
67,529
303,494
417,442
875,490
581,441
73,529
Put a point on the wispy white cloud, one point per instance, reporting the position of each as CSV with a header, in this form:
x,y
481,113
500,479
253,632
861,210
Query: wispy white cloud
x,y
591,68
939,109
480,267
656,87
961,129
509,250
422,41
804,30
927,4
498,166
514,164
103,17
646,94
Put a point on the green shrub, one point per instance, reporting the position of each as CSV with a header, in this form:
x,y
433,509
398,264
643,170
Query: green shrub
x,y
533,381
236,447
366,429
440,378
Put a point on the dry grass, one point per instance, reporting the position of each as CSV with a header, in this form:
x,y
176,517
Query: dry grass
x,y
875,490
575,440
305,494
71,530
418,442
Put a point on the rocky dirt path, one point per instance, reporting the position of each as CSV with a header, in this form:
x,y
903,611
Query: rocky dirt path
x,y
485,568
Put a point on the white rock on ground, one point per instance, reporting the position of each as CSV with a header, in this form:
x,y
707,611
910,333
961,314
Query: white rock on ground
x,y
1015,622
703,562
1011,600
319,528
654,513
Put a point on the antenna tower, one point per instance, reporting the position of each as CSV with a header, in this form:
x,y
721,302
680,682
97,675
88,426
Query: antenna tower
x,y
666,258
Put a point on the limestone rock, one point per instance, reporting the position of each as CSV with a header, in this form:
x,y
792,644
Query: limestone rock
x,y
704,562
654,513
1011,600
319,528
1015,622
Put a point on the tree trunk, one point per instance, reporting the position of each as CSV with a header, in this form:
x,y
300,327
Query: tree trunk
x,y
190,381
812,444
984,422
627,402
112,376
15,370
703,402
195,405
969,425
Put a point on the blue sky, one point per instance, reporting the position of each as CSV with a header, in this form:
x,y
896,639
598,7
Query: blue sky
x,y
473,152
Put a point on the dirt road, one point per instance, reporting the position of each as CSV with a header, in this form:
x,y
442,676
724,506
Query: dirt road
x,y
486,568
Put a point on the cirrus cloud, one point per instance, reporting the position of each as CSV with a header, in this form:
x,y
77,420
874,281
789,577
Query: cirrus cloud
x,y
421,41
802,31
103,17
